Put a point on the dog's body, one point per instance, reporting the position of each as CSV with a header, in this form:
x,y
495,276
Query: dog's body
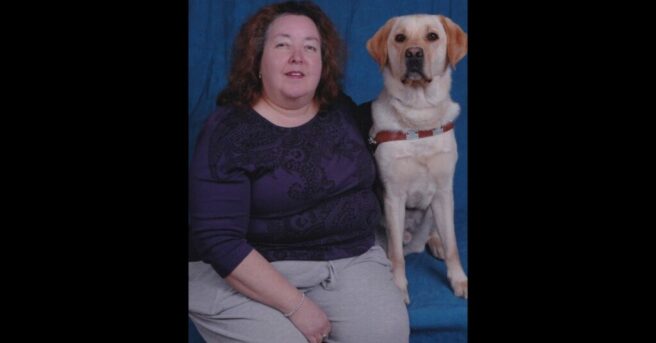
x,y
415,52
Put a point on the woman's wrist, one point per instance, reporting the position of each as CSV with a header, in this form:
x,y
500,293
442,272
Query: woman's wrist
x,y
297,307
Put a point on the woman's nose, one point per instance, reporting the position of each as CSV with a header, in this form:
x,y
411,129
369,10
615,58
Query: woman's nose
x,y
297,56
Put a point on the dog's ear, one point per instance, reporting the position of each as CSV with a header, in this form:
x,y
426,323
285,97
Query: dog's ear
x,y
377,45
456,47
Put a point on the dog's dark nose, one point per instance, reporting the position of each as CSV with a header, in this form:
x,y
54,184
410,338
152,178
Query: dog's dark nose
x,y
414,59
414,53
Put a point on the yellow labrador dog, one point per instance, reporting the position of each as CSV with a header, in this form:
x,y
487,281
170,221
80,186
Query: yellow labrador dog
x,y
412,125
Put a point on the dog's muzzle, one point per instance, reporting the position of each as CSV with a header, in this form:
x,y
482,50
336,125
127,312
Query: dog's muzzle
x,y
414,65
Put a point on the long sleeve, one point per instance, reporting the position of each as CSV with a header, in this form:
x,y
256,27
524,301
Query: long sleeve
x,y
219,202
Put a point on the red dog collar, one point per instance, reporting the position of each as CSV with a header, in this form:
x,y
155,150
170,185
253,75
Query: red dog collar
x,y
386,136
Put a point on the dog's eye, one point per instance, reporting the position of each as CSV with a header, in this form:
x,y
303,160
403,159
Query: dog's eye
x,y
432,36
399,38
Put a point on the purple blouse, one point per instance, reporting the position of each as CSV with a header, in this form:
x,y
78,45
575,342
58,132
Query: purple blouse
x,y
302,193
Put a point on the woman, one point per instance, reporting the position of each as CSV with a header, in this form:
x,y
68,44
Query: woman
x,y
282,208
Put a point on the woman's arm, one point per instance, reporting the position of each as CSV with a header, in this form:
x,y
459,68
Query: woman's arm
x,y
219,208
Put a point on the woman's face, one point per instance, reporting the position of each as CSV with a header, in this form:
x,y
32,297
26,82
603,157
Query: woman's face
x,y
291,60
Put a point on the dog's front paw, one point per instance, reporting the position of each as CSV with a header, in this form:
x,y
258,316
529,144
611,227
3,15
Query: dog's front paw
x,y
459,284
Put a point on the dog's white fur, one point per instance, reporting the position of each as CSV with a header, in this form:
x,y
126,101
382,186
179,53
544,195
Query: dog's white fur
x,y
417,175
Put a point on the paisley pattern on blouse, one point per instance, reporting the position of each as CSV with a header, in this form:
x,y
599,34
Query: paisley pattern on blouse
x,y
311,186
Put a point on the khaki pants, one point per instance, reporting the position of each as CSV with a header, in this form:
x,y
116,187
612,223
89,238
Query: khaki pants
x,y
357,293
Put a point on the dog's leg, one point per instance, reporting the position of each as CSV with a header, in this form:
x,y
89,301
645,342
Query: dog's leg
x,y
395,217
443,208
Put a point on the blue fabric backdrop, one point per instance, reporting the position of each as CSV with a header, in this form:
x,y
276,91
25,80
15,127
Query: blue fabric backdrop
x,y
435,314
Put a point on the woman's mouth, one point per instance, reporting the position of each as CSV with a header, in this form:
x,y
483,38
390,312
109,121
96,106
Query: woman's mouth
x,y
295,74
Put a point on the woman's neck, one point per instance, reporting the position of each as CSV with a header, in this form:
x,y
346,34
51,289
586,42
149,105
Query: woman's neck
x,y
289,115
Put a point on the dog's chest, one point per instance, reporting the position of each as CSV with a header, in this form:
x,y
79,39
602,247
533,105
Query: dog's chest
x,y
417,167
421,151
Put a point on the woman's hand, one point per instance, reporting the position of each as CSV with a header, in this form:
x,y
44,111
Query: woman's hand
x,y
256,278
311,321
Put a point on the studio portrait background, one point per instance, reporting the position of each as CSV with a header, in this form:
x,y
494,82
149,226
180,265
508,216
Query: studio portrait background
x,y
436,315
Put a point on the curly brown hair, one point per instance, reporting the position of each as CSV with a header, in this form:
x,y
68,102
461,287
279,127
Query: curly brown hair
x,y
244,87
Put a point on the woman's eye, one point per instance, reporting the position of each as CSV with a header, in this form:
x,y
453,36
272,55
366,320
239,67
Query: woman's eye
x,y
281,45
310,47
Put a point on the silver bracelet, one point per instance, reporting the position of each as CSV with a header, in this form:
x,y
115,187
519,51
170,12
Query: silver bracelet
x,y
297,306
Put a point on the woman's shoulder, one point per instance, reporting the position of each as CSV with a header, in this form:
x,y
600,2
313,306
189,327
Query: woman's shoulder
x,y
223,143
232,122
221,128
361,114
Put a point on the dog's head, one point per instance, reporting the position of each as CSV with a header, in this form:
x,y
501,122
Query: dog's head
x,y
416,48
